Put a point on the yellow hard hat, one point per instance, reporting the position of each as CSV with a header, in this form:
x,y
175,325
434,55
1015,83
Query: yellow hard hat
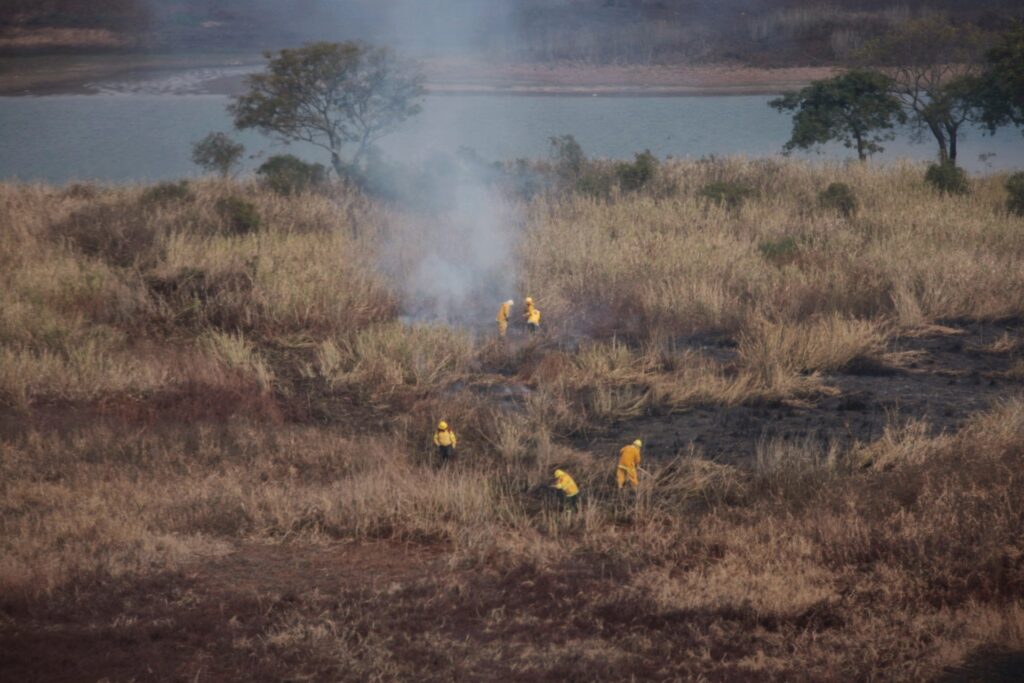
x,y
442,425
529,299
559,473
638,443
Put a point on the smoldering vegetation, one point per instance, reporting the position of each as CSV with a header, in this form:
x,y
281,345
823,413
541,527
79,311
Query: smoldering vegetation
x,y
217,406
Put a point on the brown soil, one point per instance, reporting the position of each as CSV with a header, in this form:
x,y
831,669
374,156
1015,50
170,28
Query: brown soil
x,y
185,625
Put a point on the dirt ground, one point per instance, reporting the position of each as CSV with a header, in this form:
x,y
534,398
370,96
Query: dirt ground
x,y
188,625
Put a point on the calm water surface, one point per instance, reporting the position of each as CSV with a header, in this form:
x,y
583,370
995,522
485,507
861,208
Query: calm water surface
x,y
147,137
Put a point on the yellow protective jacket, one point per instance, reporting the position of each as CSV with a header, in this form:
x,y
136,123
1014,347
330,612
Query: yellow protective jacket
x,y
445,437
503,313
533,316
565,484
629,457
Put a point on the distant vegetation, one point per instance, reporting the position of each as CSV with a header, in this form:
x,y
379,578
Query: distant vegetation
x,y
586,31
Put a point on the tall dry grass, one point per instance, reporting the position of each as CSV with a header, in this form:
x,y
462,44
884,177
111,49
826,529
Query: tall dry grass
x,y
888,559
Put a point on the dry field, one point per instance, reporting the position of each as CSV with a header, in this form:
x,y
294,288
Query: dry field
x,y
215,459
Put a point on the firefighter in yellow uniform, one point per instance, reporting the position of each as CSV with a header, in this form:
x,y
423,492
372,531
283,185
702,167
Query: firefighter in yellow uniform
x,y
503,313
629,460
532,316
570,491
444,439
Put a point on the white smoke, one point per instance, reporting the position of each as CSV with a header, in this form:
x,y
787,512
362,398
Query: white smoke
x,y
457,263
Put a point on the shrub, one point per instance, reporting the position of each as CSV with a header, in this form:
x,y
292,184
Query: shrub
x,y
117,234
1015,187
730,193
838,197
287,174
947,178
81,191
217,152
781,251
637,175
240,216
568,159
167,193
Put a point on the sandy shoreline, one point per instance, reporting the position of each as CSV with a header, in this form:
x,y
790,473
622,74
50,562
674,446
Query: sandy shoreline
x,y
225,75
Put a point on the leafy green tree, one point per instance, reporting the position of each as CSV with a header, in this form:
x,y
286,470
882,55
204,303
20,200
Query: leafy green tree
x,y
217,152
336,96
932,65
1001,86
856,108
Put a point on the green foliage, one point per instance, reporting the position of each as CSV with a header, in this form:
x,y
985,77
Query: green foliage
x,y
856,109
332,95
240,217
947,178
781,251
167,193
636,176
1000,92
287,174
568,158
1015,188
931,63
217,153
730,193
838,197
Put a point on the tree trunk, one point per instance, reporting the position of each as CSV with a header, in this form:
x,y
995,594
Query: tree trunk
x,y
940,137
861,154
338,164
951,130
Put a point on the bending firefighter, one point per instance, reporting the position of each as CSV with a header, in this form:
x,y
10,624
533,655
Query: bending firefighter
x,y
444,439
503,313
629,460
532,316
570,491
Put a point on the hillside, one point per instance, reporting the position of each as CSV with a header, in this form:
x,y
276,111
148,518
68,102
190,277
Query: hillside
x,y
772,33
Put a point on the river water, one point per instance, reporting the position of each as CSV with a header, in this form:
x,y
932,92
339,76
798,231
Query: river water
x,y
138,137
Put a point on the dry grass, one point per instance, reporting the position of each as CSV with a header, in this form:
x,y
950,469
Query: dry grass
x,y
885,560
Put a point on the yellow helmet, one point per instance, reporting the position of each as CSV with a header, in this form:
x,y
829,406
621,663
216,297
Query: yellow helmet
x,y
559,473
638,443
442,425
529,299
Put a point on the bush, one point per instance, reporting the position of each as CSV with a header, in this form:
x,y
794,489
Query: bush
x,y
167,193
287,174
838,197
728,192
637,175
217,152
240,216
1015,187
947,178
568,159
779,252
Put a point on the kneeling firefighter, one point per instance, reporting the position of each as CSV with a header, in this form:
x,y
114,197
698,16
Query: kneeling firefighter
x,y
570,491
